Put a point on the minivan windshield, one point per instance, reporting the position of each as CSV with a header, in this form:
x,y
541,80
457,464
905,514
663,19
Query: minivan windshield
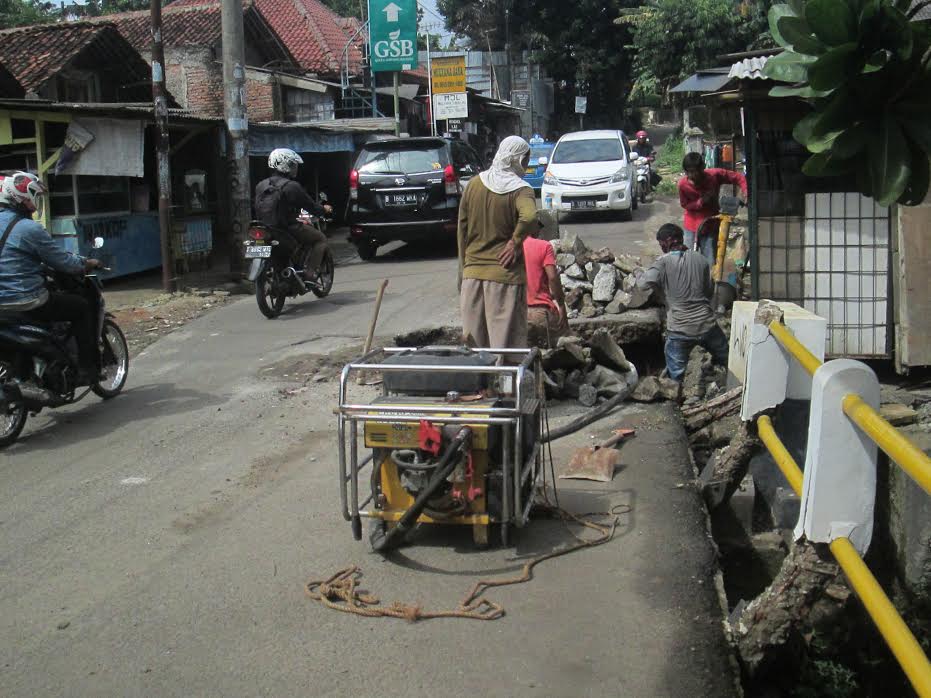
x,y
386,161
594,150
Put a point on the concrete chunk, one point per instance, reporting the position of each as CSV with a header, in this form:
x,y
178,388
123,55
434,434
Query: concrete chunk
x,y
604,285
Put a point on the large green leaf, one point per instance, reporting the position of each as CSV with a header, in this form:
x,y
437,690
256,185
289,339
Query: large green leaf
x,y
777,12
918,129
830,70
890,162
868,16
852,142
838,114
788,66
801,91
796,31
898,31
804,128
918,183
826,165
877,61
832,21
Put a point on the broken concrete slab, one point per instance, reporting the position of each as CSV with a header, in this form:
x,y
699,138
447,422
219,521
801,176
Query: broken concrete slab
x,y
568,283
618,304
570,242
606,351
604,284
631,326
653,388
565,259
568,354
640,298
627,263
606,381
588,307
897,414
574,297
741,503
588,395
591,271
574,271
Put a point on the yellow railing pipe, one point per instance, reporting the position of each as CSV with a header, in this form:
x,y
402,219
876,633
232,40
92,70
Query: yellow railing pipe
x,y
784,336
890,624
780,454
897,446
895,632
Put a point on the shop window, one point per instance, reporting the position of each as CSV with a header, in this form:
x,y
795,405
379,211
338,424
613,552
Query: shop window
x,y
98,195
61,195
304,105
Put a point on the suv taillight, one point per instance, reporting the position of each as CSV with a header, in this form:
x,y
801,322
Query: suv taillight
x,y
354,184
257,234
451,181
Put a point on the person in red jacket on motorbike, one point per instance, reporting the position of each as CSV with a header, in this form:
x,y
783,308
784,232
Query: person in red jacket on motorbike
x,y
698,195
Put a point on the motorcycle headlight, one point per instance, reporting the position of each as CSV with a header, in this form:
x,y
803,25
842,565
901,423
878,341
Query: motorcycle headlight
x,y
621,175
550,179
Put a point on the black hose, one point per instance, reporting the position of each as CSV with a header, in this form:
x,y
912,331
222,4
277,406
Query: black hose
x,y
589,417
444,468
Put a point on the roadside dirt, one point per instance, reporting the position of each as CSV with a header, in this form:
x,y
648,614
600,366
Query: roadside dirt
x,y
145,324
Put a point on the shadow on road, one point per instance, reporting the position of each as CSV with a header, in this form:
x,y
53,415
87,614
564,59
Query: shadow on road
x,y
310,305
95,418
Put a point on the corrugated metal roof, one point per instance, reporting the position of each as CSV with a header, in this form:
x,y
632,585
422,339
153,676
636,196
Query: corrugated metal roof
x,y
749,69
923,15
704,81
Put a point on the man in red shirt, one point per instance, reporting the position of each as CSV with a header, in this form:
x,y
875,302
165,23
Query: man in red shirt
x,y
546,304
698,195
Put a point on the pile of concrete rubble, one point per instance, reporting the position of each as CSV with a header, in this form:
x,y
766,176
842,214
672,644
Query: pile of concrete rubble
x,y
597,282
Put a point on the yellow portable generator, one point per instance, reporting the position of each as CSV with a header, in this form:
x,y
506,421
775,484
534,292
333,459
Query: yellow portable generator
x,y
454,438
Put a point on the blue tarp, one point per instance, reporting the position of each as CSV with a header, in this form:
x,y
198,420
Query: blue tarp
x,y
264,139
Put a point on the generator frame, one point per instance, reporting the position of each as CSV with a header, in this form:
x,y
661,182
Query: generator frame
x,y
517,466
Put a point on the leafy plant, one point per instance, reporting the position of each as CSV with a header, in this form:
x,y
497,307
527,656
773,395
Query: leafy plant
x,y
864,67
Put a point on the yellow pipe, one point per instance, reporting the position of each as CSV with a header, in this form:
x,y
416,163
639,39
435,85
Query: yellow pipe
x,y
784,336
895,632
780,454
903,644
723,229
898,447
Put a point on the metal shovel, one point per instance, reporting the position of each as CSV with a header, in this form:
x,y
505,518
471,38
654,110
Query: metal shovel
x,y
596,462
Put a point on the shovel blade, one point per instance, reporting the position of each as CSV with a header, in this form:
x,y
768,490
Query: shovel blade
x,y
586,464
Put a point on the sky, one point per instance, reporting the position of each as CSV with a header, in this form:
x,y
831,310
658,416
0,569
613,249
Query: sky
x,y
434,19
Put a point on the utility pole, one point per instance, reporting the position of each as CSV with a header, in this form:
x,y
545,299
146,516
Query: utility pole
x,y
507,53
160,100
397,104
237,124
430,87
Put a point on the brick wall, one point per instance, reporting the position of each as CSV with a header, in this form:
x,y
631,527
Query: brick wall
x,y
204,89
260,96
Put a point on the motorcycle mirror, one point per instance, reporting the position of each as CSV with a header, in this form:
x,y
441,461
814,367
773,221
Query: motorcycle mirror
x,y
98,243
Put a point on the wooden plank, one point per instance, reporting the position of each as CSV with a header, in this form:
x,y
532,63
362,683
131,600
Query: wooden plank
x,y
914,285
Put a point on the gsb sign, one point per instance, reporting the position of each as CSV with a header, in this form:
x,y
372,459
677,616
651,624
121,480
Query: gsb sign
x,y
395,48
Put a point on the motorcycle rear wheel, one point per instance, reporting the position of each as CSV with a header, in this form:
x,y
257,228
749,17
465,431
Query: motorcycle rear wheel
x,y
324,277
114,361
12,415
269,304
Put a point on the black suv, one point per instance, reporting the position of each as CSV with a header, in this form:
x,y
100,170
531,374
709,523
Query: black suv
x,y
408,189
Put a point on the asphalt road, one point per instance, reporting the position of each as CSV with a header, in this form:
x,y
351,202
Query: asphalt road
x,y
158,544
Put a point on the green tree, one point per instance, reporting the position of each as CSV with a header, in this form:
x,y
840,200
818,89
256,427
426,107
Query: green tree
x,y
577,43
674,38
346,8
18,13
866,69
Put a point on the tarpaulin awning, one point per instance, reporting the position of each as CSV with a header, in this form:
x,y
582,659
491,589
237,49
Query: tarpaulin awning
x,y
264,138
704,81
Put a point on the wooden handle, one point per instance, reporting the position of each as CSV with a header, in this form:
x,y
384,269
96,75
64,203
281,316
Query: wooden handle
x,y
371,335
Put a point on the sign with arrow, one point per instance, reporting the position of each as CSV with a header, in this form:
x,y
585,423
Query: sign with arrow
x,y
393,35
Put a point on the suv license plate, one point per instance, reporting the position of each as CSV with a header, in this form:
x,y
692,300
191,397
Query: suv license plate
x,y
258,251
400,199
582,203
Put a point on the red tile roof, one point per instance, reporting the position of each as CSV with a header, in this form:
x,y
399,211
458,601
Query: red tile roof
x,y
9,85
195,23
314,34
37,53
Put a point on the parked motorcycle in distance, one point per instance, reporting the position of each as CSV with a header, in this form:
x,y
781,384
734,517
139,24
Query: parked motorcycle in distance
x,y
277,270
644,177
39,362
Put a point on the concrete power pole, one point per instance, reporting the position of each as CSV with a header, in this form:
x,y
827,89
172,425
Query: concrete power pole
x,y
160,99
237,124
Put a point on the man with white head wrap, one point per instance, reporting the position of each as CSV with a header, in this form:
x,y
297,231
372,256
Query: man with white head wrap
x,y
498,210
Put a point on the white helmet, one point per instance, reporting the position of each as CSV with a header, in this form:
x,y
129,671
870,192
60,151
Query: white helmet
x,y
22,190
281,159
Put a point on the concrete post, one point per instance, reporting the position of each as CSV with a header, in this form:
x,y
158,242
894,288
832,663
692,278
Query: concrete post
x,y
237,124
163,146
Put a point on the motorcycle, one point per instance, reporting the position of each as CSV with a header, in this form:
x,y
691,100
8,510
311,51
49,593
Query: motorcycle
x,y
39,362
644,177
277,268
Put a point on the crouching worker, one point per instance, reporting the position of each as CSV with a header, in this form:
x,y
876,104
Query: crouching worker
x,y
546,304
683,278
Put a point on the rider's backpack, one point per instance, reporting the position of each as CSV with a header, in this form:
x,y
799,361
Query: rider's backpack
x,y
269,206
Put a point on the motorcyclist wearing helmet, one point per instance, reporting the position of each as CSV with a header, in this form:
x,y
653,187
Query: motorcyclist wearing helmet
x,y
279,200
643,147
25,246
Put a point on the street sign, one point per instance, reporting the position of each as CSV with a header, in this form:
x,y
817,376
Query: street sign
x,y
581,104
520,99
393,34
449,74
451,106
454,126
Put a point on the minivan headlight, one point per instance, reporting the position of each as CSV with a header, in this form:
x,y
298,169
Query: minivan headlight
x,y
621,175
550,179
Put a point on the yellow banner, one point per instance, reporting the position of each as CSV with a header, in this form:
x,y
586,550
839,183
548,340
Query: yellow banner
x,y
449,75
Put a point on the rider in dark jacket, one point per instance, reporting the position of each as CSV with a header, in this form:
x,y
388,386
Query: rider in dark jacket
x,y
25,246
291,198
